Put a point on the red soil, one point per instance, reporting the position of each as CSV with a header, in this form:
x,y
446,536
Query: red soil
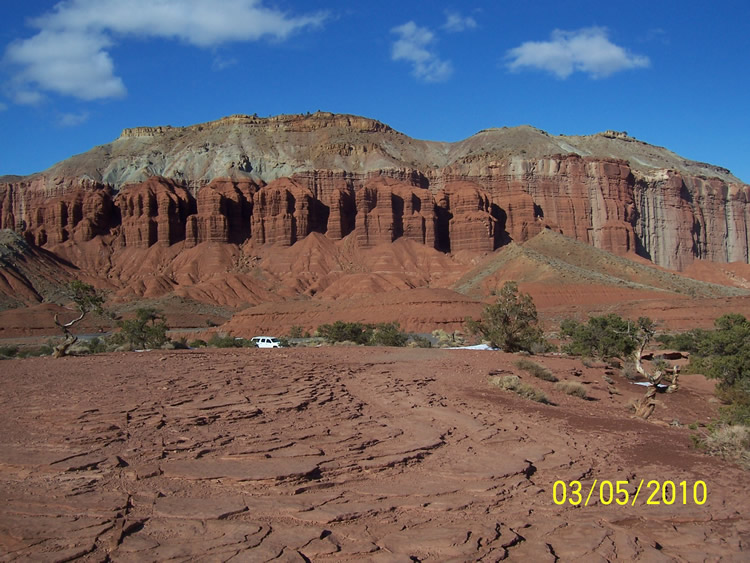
x,y
341,454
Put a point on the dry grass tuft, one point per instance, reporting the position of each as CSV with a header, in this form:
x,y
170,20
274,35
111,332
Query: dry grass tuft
x,y
730,442
514,383
536,370
629,372
572,388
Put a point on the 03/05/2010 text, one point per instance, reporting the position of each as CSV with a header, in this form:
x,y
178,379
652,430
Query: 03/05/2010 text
x,y
623,493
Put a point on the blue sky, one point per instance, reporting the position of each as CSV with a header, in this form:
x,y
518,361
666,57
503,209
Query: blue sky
x,y
73,74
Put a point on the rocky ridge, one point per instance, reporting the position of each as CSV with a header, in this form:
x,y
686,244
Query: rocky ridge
x,y
27,274
250,180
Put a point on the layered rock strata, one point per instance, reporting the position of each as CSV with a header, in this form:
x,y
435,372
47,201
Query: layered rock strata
x,y
388,210
224,208
286,177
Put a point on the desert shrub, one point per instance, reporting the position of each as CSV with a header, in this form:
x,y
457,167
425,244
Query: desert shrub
x,y
146,330
506,382
724,354
510,324
340,331
572,388
197,343
8,351
97,345
536,370
84,347
542,347
730,442
605,337
735,413
295,332
43,350
513,383
418,341
383,334
629,371
388,334
446,339
684,341
227,341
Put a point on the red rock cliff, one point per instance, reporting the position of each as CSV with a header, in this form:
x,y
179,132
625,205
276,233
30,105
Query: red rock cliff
x,y
154,212
344,175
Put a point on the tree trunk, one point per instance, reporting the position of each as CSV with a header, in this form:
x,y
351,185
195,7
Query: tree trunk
x,y
62,349
645,406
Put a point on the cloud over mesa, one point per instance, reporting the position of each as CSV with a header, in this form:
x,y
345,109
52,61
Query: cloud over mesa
x,y
587,50
455,22
414,46
72,119
69,54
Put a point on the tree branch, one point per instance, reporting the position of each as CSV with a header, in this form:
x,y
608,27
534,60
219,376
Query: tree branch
x,y
66,326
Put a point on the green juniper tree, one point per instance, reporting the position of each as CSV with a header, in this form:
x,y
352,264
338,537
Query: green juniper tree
x,y
147,330
511,324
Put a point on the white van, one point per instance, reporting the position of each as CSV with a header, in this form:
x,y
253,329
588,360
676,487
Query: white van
x,y
266,342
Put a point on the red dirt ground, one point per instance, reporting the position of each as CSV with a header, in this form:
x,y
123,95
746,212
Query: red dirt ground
x,y
347,454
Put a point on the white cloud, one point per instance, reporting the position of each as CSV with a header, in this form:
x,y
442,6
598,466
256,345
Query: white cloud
x,y
69,55
220,63
413,45
26,97
655,34
66,62
587,50
455,22
72,119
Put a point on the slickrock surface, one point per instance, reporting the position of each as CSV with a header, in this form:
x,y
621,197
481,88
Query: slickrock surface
x,y
343,454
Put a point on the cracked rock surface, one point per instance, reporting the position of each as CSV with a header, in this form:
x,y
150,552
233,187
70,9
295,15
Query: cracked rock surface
x,y
343,454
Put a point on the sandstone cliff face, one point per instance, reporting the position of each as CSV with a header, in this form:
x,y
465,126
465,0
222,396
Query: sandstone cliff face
x,y
582,197
286,211
154,212
469,214
667,218
680,219
48,216
224,209
387,210
344,175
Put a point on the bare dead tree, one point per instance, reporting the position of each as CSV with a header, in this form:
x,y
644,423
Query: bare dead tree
x,y
645,406
86,299
62,349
